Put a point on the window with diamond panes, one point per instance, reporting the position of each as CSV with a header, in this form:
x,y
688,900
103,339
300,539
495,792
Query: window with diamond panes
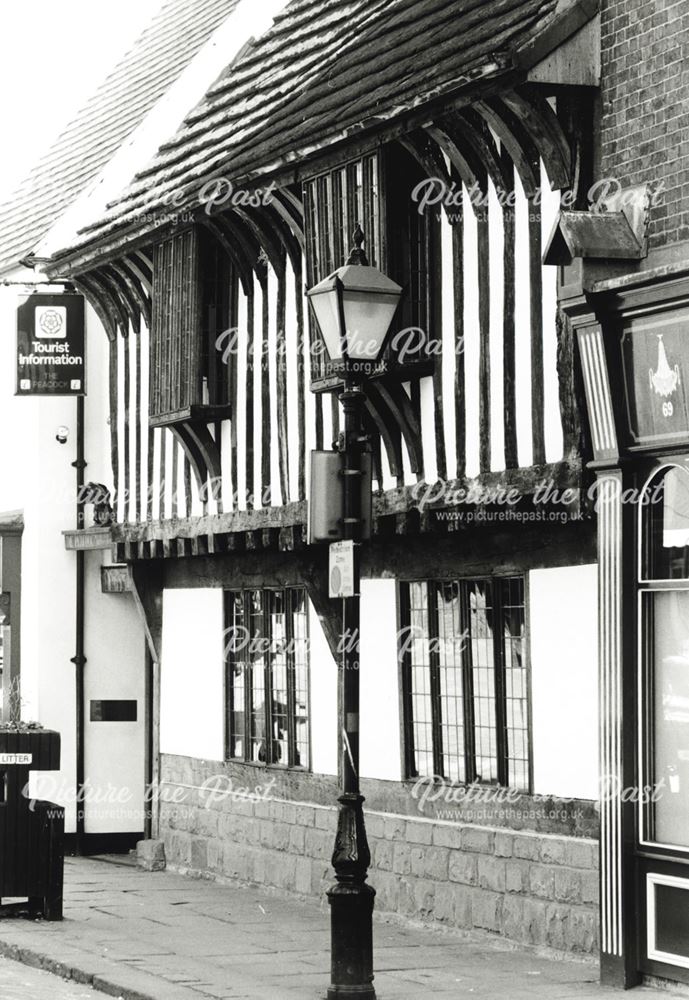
x,y
465,680
267,683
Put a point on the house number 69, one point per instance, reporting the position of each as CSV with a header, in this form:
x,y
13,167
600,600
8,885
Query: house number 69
x,y
668,409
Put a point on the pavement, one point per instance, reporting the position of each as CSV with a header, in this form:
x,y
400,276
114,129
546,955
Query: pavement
x,y
161,936
19,982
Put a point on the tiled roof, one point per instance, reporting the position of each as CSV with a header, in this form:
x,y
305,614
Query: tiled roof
x,y
325,68
141,78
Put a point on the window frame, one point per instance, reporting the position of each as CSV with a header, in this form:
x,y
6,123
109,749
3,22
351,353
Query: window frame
x,y
466,666
194,298
291,675
649,586
386,198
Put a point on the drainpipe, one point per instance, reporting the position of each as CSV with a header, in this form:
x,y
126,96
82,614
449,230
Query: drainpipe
x,y
79,660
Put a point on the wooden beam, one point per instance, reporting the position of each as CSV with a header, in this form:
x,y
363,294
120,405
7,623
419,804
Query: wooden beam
x,y
281,378
127,420
113,397
112,298
96,300
459,386
387,428
266,400
301,387
400,405
249,401
509,324
193,453
536,306
541,122
125,269
120,287
516,142
329,611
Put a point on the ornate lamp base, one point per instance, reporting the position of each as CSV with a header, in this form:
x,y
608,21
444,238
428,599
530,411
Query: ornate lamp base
x,y
351,922
351,906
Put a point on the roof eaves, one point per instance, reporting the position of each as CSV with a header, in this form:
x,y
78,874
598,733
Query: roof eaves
x,y
565,22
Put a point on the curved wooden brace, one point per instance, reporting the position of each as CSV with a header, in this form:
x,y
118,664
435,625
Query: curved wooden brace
x,y
387,428
371,429
267,242
93,297
143,269
470,174
145,260
289,214
427,155
400,406
122,268
196,459
477,134
525,159
247,247
296,203
273,220
205,442
111,296
119,285
230,250
543,126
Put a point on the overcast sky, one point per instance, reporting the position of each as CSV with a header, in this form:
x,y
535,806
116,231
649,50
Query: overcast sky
x,y
53,55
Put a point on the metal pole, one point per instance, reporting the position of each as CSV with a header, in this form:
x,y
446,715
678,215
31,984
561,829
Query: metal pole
x,y
351,899
79,660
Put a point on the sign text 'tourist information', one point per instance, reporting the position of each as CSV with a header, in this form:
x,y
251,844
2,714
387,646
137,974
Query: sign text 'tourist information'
x,y
50,346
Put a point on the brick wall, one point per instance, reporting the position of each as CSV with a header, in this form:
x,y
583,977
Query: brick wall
x,y
644,125
533,888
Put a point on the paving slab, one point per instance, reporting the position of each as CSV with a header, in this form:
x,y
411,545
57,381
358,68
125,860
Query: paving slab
x,y
160,936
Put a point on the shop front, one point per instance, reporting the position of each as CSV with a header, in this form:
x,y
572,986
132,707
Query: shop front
x,y
634,349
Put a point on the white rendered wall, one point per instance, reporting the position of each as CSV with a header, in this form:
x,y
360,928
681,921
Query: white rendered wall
x,y
191,683
563,614
114,752
323,673
36,476
380,751
380,747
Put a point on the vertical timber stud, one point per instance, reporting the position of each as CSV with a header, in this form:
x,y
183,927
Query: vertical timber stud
x,y
616,646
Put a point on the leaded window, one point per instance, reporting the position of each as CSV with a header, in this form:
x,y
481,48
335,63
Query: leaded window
x,y
465,680
267,677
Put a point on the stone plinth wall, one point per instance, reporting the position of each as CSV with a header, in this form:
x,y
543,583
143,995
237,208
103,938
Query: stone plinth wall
x,y
533,888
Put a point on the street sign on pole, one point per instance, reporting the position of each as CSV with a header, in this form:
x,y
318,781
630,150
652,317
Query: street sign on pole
x,y
341,575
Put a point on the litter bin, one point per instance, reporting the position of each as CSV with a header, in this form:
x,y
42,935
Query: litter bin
x,y
32,853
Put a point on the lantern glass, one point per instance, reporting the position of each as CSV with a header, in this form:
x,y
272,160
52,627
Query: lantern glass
x,y
326,307
354,308
367,321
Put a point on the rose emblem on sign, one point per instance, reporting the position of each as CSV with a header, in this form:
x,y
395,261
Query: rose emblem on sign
x,y
50,322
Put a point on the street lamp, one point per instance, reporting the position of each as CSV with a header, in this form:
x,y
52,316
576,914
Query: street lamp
x,y
354,308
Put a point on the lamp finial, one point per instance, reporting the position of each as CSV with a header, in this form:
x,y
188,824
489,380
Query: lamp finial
x,y
358,254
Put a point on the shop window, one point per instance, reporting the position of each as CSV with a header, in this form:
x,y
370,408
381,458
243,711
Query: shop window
x,y
465,681
267,677
664,626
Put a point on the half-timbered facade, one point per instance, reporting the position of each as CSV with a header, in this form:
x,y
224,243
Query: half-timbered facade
x,y
449,133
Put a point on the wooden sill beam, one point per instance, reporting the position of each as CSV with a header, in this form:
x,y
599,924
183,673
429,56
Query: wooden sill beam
x,y
400,512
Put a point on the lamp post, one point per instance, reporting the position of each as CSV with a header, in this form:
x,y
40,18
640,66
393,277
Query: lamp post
x,y
354,308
